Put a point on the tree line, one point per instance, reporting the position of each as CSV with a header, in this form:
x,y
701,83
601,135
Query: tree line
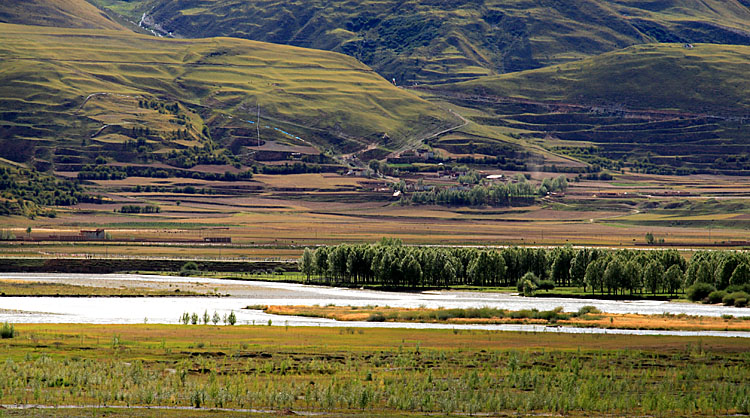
x,y
602,271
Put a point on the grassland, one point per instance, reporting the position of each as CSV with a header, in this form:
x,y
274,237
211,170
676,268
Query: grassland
x,y
10,288
88,83
702,79
374,371
57,13
417,42
608,111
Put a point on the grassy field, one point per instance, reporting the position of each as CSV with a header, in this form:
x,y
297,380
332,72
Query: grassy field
x,y
58,13
690,123
417,42
372,371
326,98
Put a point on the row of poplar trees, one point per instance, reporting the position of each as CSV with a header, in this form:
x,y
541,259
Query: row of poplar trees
x,y
389,263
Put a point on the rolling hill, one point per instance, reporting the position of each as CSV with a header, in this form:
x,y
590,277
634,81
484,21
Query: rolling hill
x,y
685,107
68,95
56,13
415,41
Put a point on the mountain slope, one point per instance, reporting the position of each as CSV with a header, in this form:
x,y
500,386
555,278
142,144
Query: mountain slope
x,y
56,13
660,104
61,90
437,41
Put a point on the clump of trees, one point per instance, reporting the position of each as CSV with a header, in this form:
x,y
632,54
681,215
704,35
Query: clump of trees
x,y
518,192
603,271
25,192
140,209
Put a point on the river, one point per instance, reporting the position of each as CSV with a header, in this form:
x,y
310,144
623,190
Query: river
x,y
167,310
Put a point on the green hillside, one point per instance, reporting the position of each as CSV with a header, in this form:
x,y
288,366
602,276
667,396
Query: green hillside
x,y
68,95
57,13
417,41
649,105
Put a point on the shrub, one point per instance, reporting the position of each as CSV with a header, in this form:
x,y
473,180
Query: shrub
x,y
7,331
740,302
588,309
528,284
699,291
189,268
731,299
716,296
738,288
232,318
376,317
546,285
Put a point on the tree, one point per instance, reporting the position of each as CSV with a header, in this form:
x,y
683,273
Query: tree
x,y
578,266
216,318
633,276
321,260
480,269
740,276
232,318
652,276
595,274
674,279
412,271
727,266
650,238
206,318
560,270
613,275
307,263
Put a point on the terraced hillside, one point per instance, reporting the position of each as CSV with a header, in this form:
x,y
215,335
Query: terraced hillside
x,y
57,13
68,95
415,41
663,107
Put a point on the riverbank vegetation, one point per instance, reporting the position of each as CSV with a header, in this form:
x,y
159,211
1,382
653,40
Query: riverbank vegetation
x,y
381,372
585,317
597,271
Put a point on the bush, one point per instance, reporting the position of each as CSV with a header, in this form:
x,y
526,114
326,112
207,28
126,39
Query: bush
x,y
7,331
376,317
189,268
699,291
731,299
546,285
740,302
588,309
716,296
738,288
528,284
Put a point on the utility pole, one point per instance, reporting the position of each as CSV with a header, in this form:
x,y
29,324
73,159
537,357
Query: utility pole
x,y
257,125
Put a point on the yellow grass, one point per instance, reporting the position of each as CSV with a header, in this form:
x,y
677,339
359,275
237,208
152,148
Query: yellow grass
x,y
612,321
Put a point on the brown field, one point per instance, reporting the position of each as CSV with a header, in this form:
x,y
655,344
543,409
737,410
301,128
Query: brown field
x,y
25,288
325,209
